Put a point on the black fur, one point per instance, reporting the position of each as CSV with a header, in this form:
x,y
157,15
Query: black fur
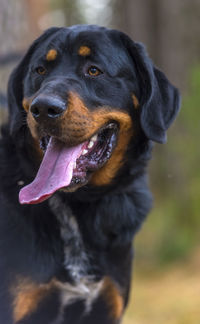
x,y
108,217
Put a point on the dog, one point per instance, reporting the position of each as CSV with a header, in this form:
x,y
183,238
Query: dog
x,y
86,105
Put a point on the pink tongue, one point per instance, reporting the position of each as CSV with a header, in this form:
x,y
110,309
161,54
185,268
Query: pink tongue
x,y
54,173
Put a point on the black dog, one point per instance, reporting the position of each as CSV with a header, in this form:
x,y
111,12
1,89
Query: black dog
x,y
85,105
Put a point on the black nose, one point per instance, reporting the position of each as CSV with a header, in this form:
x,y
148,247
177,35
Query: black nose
x,y
45,108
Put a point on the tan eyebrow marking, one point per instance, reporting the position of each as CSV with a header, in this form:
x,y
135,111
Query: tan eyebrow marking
x,y
51,55
84,51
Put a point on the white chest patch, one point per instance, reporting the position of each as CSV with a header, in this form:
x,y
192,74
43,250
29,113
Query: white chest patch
x,y
84,290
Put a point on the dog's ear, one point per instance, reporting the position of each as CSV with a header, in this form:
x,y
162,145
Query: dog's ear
x,y
15,85
159,99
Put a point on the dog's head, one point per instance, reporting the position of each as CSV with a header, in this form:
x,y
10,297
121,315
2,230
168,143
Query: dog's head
x,y
85,92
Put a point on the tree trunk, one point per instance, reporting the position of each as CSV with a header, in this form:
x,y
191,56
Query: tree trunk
x,y
169,29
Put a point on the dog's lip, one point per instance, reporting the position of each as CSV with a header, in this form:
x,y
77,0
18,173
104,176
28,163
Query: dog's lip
x,y
99,143
96,156
96,151
88,143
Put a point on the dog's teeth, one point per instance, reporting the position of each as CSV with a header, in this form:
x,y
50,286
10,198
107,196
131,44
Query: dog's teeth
x,y
74,166
91,143
94,138
84,152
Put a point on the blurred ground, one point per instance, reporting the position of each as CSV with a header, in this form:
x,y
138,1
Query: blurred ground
x,y
170,296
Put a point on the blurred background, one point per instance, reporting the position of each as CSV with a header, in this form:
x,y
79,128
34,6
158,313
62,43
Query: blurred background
x,y
166,285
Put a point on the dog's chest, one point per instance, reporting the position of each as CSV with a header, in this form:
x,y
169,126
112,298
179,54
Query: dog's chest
x,y
76,260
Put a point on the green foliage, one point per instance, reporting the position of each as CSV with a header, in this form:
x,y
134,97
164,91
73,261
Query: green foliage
x,y
173,228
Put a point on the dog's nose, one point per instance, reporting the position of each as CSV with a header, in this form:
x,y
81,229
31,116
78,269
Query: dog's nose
x,y
45,108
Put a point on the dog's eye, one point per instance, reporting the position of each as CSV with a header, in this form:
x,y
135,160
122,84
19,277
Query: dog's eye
x,y
94,71
41,70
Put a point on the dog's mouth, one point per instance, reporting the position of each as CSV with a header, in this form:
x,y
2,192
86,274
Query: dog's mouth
x,y
68,168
